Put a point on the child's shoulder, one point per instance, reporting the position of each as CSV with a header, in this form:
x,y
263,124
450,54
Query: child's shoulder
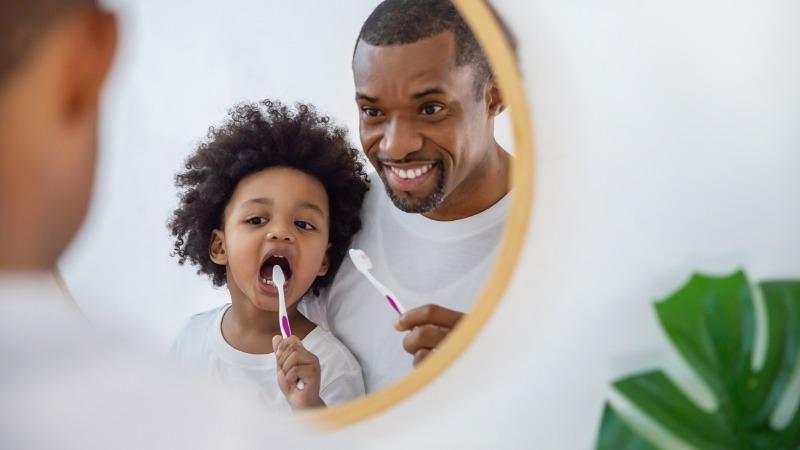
x,y
330,350
192,341
206,317
342,379
200,323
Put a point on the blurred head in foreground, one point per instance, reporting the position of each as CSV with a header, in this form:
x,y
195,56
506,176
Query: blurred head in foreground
x,y
54,57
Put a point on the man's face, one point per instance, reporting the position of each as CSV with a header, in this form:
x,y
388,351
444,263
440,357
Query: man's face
x,y
422,123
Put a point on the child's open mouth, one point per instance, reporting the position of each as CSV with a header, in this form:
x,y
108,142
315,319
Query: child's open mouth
x,y
265,274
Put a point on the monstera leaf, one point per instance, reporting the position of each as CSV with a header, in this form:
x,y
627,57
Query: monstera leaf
x,y
711,321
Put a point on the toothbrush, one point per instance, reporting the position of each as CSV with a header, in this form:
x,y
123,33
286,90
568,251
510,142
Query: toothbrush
x,y
283,319
363,264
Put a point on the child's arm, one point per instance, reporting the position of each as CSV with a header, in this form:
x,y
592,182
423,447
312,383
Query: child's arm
x,y
296,363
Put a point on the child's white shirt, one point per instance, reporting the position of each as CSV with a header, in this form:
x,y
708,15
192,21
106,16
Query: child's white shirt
x,y
201,346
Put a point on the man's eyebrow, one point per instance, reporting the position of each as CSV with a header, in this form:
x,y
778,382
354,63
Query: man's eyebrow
x,y
360,96
426,92
313,207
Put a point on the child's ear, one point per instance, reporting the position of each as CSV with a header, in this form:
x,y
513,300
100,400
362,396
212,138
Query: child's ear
x,y
217,250
326,264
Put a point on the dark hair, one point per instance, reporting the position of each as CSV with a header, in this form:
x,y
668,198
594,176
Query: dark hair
x,y
258,136
22,23
407,21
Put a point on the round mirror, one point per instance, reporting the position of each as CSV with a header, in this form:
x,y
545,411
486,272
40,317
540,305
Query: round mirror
x,y
434,239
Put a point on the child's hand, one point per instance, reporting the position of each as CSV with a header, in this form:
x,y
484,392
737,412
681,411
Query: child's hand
x,y
296,363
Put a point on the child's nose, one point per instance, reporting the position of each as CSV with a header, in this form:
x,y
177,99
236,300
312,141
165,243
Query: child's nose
x,y
280,235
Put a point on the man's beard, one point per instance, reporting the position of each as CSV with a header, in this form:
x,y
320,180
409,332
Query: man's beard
x,y
419,206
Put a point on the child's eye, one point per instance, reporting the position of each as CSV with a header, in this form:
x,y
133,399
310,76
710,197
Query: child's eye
x,y
256,221
304,225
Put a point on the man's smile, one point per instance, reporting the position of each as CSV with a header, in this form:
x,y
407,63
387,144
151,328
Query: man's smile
x,y
416,178
412,172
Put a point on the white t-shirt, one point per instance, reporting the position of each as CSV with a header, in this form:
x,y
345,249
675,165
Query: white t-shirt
x,y
201,346
422,261
65,386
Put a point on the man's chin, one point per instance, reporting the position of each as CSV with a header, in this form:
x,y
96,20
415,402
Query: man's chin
x,y
418,202
419,205
405,203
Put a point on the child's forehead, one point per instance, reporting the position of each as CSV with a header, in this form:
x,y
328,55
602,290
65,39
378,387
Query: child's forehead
x,y
279,186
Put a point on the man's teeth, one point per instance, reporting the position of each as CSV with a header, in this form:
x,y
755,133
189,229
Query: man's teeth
x,y
266,281
410,174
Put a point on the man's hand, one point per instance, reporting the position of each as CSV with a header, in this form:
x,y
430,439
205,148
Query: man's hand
x,y
428,326
296,363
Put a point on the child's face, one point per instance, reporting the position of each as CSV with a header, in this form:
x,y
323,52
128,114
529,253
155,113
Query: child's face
x,y
278,216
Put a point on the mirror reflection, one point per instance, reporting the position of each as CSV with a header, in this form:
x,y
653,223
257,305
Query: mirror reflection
x,y
334,223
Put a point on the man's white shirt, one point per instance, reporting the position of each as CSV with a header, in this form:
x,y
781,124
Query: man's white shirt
x,y
422,261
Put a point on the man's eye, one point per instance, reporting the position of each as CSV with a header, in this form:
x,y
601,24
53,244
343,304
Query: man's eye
x,y
370,112
256,221
303,225
430,109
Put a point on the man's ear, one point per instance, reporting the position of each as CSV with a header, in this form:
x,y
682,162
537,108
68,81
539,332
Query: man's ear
x,y
326,264
217,251
88,62
494,99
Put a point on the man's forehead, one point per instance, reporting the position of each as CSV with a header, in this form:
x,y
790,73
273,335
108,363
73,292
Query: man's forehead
x,y
430,60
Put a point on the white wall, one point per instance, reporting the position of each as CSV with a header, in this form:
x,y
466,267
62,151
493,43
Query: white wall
x,y
667,142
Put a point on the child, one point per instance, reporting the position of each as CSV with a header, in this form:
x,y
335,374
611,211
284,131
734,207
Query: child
x,y
272,187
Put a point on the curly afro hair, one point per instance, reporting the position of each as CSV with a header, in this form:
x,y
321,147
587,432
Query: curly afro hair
x,y
258,136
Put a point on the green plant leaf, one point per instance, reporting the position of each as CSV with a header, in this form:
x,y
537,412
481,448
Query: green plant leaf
x,y
615,434
655,395
711,322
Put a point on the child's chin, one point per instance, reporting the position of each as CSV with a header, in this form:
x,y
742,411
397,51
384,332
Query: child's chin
x,y
265,304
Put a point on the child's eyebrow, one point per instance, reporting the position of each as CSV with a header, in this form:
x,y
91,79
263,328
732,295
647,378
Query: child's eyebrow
x,y
262,200
312,206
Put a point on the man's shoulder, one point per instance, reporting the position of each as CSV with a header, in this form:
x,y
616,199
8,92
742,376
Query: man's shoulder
x,y
376,205
376,198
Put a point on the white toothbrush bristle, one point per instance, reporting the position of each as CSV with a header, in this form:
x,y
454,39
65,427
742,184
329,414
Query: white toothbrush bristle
x,y
277,275
360,259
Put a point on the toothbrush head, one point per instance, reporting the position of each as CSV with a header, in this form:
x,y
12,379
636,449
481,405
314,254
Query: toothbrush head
x,y
360,259
277,276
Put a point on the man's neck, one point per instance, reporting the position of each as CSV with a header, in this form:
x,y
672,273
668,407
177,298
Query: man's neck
x,y
484,187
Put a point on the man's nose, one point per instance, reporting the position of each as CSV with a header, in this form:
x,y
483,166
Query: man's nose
x,y
400,139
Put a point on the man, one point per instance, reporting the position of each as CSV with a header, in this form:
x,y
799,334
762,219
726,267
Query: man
x,y
427,102
62,385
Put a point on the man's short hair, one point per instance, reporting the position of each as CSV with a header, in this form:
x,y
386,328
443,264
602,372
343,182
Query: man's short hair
x,y
397,22
23,22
